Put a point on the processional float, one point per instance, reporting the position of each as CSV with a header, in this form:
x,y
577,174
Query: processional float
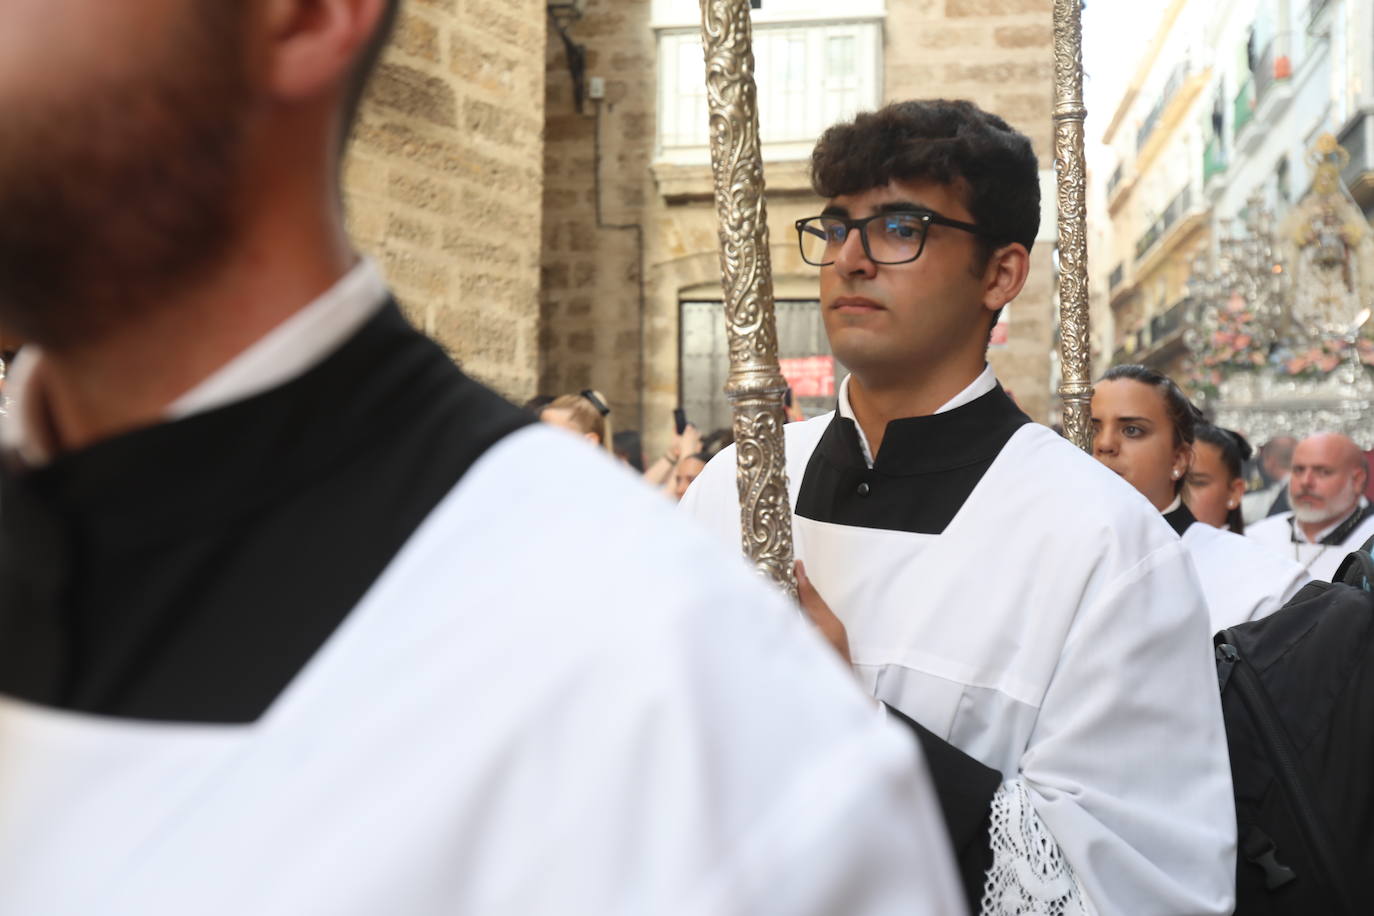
x,y
755,385
1277,317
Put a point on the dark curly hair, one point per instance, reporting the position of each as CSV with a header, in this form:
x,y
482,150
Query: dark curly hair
x,y
949,142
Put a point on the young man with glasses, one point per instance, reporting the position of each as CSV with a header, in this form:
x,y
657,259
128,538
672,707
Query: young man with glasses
x,y
1026,611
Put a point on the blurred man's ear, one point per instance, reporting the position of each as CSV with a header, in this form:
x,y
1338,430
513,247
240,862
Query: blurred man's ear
x,y
312,47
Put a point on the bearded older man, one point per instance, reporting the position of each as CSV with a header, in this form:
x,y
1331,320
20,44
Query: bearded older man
x,y
1330,516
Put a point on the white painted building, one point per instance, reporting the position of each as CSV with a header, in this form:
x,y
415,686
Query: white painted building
x,y
1287,72
1226,103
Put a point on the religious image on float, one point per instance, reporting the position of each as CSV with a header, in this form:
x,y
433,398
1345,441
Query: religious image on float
x,y
1279,333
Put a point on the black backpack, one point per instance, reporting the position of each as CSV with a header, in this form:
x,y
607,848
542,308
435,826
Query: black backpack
x,y
1297,694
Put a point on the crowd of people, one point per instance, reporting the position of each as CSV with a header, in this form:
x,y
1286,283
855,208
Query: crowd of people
x,y
295,617
1194,472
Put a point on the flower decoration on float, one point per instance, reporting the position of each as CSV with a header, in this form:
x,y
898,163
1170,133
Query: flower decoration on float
x,y
1286,299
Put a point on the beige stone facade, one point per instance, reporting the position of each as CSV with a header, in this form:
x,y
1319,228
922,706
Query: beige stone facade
x,y
549,248
600,329
597,221
999,54
443,182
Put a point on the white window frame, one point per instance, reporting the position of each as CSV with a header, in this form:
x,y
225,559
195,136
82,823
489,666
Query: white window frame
x,y
687,13
791,116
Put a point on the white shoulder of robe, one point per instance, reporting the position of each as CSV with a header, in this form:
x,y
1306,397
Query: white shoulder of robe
x,y
1276,534
557,699
1274,530
1241,579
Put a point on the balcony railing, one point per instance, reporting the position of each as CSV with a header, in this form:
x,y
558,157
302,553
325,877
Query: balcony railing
x,y
1115,180
1245,105
1175,83
1118,274
1213,159
1172,214
1166,323
1275,66
1315,11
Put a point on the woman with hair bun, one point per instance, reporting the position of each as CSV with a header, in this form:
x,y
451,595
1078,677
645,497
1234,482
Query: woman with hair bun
x,y
1145,428
1216,479
585,413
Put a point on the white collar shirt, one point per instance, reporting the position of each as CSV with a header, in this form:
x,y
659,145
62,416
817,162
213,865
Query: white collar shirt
x,y
985,382
287,351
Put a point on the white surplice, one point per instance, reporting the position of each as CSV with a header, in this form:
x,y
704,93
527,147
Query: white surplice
x,y
1056,632
502,726
1241,579
1276,534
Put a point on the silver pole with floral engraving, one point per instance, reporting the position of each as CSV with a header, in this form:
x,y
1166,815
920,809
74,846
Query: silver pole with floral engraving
x,y
755,385
1070,168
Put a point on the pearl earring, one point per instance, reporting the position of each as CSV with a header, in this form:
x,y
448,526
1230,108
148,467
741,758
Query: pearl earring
x,y
1176,473
1231,504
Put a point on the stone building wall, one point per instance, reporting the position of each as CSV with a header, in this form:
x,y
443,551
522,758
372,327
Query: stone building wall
x,y
999,54
443,180
996,52
596,190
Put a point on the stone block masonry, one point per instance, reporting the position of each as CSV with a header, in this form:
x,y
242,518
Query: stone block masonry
x,y
598,331
999,54
596,164
443,180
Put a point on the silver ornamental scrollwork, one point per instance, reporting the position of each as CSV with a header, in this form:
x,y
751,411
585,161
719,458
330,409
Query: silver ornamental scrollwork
x,y
755,384
1071,171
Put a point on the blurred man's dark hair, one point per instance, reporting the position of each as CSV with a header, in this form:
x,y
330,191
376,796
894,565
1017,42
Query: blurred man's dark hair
x,y
628,447
1276,457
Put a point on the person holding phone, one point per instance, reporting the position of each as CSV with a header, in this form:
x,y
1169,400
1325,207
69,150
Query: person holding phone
x,y
686,442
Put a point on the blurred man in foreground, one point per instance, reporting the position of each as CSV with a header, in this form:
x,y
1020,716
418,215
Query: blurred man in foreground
x,y
292,619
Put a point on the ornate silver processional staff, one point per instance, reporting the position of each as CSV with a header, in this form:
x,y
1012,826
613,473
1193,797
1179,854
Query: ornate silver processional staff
x,y
1070,168
755,385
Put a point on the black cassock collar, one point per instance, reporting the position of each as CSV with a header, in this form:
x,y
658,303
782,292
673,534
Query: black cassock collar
x,y
1180,519
969,434
923,473
188,570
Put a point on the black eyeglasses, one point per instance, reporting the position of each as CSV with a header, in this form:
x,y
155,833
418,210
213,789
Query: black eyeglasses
x,y
887,238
